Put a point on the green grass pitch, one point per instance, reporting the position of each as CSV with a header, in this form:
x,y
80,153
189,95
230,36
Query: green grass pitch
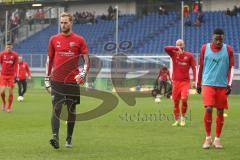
x,y
123,134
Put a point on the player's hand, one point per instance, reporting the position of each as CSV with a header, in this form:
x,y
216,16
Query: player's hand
x,y
29,77
199,90
180,51
81,77
47,84
228,89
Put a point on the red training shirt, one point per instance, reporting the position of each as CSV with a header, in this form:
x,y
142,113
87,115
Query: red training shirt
x,y
181,64
9,62
64,53
23,69
164,74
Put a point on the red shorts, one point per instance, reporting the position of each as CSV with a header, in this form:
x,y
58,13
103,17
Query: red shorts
x,y
7,81
215,96
180,90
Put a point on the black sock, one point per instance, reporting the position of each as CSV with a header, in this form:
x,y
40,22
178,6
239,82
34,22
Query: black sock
x,y
70,127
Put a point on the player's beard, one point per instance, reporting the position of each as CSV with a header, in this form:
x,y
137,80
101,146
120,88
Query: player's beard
x,y
66,30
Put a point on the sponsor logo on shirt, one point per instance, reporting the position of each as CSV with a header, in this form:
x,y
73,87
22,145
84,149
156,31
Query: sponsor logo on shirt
x,y
66,54
72,44
182,63
215,60
9,62
58,44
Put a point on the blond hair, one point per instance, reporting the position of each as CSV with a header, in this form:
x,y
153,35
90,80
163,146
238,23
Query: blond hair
x,y
65,14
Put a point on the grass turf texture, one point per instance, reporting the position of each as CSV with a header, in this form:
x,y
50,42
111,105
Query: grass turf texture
x,y
25,132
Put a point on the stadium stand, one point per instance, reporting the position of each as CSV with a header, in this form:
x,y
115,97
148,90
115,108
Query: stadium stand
x,y
148,33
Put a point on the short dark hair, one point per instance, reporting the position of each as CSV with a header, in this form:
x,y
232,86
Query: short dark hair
x,y
219,31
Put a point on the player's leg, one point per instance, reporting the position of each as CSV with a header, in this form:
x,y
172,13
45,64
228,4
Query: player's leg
x,y
176,95
71,106
219,126
57,102
208,125
208,94
72,101
10,84
165,88
3,85
160,86
10,99
2,91
24,85
176,112
184,97
19,87
221,104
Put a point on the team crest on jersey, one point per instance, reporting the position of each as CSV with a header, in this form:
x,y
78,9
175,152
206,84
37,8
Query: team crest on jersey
x,y
58,44
72,44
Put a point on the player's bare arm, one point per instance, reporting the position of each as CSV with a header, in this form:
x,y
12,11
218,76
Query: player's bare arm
x,y
81,77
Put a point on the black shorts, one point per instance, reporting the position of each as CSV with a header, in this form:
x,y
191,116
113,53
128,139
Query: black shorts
x,y
69,91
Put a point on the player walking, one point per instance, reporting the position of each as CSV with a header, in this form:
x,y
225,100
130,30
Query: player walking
x,y
9,62
182,61
23,69
216,66
64,75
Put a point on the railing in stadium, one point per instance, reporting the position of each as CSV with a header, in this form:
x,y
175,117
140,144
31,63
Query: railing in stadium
x,y
132,63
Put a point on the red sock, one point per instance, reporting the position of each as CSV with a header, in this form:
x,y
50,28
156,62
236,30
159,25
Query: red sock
x,y
184,107
176,109
219,124
3,98
208,123
10,100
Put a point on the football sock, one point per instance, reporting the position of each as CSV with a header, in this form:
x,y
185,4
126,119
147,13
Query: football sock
x,y
208,122
3,98
10,100
70,127
184,107
219,124
176,109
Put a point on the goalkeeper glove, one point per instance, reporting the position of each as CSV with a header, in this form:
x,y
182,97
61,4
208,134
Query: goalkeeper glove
x,y
229,89
199,90
47,84
81,77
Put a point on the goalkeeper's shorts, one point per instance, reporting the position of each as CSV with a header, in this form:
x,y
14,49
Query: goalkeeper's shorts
x,y
68,91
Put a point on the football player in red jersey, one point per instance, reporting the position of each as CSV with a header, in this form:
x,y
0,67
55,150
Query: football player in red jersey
x,y
182,62
64,74
163,78
9,62
23,70
215,76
